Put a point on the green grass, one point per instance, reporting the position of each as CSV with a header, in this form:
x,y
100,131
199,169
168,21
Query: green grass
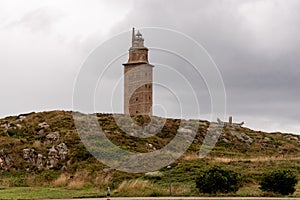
x,y
59,193
48,193
53,193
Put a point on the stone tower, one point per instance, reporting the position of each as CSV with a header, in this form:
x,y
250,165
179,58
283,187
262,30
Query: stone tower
x,y
138,78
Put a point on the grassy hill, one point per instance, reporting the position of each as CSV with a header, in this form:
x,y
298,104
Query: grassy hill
x,y
43,150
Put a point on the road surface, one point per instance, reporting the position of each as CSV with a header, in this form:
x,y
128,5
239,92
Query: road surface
x,y
194,198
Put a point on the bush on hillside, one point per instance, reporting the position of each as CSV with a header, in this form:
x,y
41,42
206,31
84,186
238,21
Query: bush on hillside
x,y
279,181
218,180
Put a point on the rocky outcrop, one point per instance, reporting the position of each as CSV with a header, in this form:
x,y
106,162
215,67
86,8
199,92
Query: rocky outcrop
x,y
6,161
53,136
35,157
13,126
44,125
55,155
292,137
62,151
243,138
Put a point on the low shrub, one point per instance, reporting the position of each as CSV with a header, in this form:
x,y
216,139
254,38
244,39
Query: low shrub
x,y
218,180
279,181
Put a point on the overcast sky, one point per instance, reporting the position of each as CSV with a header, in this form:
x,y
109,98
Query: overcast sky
x,y
254,43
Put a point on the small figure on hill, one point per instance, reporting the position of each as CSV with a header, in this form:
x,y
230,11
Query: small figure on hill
x,y
108,193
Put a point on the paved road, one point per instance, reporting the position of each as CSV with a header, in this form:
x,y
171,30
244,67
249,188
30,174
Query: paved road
x,y
194,198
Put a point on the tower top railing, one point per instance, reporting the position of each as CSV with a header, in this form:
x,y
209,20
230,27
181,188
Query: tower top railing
x,y
137,39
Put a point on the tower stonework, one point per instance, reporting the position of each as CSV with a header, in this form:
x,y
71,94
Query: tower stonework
x,y
138,79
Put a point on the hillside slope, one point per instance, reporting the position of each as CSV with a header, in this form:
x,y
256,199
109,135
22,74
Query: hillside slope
x,y
44,148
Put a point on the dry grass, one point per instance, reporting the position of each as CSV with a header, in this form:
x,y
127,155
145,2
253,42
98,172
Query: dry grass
x,y
79,180
102,180
36,144
76,184
251,190
5,183
62,180
140,187
31,180
134,187
257,159
178,190
190,156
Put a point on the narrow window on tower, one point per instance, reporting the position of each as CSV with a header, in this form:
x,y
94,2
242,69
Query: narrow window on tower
x,y
136,99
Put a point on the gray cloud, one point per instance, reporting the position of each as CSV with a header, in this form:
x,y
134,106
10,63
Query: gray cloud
x,y
254,43
40,19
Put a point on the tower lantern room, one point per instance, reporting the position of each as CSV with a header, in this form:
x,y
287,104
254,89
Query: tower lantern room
x,y
138,78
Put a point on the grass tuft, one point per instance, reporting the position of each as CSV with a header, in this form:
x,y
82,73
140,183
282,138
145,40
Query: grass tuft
x,y
61,181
